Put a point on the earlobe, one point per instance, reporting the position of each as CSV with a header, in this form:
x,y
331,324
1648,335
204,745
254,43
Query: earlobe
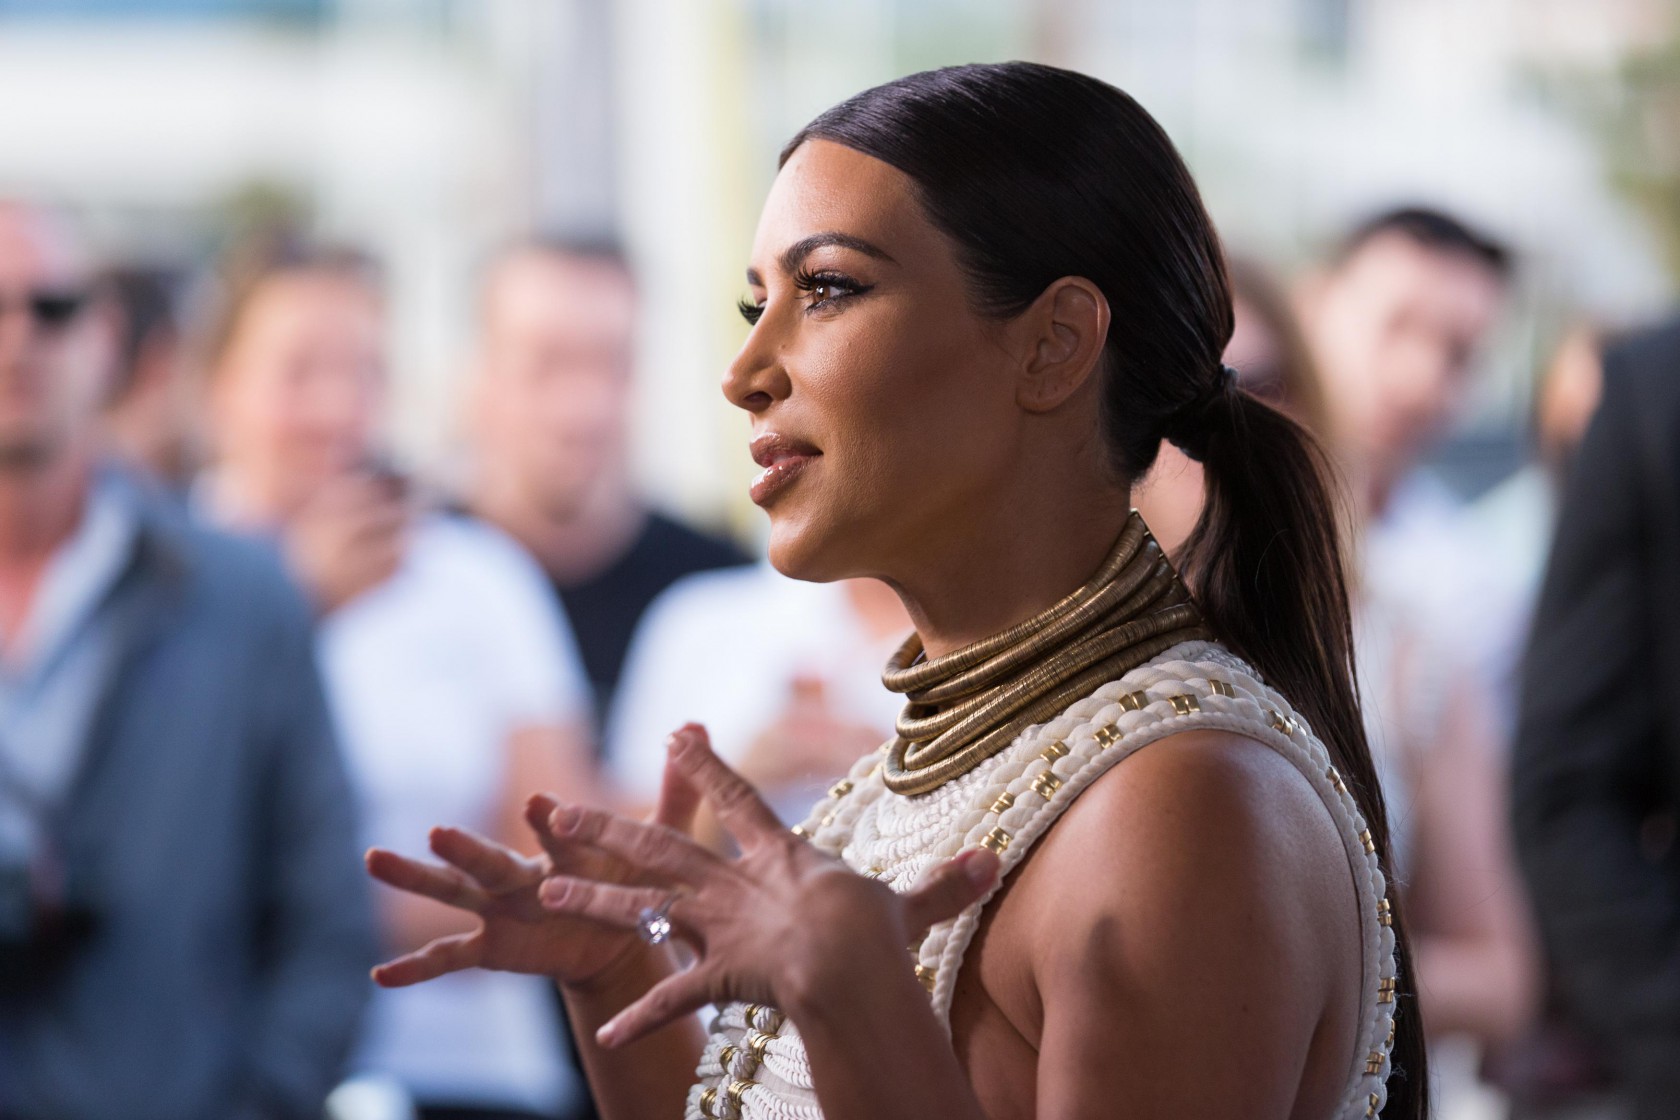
x,y
1069,327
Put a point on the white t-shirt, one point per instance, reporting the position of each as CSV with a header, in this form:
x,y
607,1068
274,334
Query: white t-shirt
x,y
427,675
723,648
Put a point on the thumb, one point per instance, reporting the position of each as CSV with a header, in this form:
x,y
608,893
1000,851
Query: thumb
x,y
949,888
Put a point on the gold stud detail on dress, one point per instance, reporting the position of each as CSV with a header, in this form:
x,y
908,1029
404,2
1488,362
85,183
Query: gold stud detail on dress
x,y
841,788
925,976
749,1014
1223,688
1055,750
1374,1061
737,1090
1371,1109
1391,1024
1281,722
1046,785
727,1055
1107,735
707,1100
1134,701
757,1044
1335,777
1365,839
874,873
1003,802
1385,990
997,840
1385,912
1184,704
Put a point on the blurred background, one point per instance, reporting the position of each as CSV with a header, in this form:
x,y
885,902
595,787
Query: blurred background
x,y
429,130
572,186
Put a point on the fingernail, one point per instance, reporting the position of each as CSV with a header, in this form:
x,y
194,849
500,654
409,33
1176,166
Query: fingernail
x,y
978,869
608,1035
563,819
552,893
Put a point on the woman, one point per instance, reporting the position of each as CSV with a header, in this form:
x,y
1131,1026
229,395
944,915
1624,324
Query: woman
x,y
981,297
453,682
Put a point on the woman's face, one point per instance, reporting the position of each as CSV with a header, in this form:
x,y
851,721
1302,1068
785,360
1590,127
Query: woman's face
x,y
883,406
298,392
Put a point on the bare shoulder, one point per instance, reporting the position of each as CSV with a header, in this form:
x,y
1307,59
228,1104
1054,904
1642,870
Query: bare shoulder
x,y
1204,844
1194,909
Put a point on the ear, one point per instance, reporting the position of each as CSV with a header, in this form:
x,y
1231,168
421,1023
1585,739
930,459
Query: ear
x,y
1062,345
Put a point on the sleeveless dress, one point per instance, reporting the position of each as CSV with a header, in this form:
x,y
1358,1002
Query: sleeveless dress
x,y
754,1066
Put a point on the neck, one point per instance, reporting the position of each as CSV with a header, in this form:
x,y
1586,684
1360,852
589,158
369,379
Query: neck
x,y
40,507
575,544
1045,541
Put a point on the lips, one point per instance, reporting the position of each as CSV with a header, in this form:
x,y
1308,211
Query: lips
x,y
783,459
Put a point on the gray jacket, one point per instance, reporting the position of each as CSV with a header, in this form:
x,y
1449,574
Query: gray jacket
x,y
210,828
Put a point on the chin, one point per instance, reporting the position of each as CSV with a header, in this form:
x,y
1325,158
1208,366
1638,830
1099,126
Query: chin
x,y
806,552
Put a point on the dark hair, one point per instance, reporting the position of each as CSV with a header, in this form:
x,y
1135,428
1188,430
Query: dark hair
x,y
1037,173
148,297
1432,229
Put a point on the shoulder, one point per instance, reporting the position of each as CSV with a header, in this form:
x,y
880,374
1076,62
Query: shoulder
x,y
240,581
1644,360
740,595
1203,844
475,558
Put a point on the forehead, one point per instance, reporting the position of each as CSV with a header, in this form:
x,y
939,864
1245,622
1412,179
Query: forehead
x,y
550,285
828,188
1399,266
36,248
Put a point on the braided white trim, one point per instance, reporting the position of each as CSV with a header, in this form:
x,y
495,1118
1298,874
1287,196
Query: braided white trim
x,y
1008,803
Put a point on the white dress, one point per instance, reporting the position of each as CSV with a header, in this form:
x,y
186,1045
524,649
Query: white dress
x,y
754,1065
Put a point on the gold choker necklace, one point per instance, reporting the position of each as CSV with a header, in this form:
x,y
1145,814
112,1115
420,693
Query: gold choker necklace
x,y
968,705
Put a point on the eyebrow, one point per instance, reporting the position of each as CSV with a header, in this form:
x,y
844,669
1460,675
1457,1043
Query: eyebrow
x,y
794,254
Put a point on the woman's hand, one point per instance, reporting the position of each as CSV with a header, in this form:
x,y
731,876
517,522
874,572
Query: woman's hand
x,y
781,925
516,933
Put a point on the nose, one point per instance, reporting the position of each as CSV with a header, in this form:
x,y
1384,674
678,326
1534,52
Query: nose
x,y
756,379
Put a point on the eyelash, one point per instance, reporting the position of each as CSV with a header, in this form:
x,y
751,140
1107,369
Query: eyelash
x,y
809,283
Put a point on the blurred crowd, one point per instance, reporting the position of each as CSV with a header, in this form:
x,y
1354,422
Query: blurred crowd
x,y
240,642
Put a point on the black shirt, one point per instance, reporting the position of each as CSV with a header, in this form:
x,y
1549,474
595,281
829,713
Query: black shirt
x,y
605,609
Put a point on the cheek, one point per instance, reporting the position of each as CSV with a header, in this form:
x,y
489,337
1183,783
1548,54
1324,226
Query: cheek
x,y
905,416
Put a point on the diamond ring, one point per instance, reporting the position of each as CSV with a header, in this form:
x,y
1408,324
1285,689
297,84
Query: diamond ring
x,y
655,925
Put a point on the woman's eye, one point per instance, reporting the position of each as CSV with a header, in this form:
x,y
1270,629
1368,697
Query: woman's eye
x,y
751,312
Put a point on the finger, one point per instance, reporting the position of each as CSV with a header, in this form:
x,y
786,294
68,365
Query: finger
x,y
679,800
949,888
607,903
445,884
492,866
646,847
663,1004
446,954
738,806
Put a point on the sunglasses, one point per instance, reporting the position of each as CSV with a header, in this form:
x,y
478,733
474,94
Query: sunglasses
x,y
48,307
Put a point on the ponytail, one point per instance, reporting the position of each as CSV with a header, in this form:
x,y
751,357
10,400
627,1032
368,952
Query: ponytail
x,y
1266,566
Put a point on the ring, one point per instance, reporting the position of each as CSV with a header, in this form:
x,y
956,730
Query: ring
x,y
655,925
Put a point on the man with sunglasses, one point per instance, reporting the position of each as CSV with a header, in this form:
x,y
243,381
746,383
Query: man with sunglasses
x,y
183,926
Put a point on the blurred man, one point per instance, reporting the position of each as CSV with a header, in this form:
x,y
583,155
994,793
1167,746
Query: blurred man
x,y
1396,321
551,418
183,923
1596,773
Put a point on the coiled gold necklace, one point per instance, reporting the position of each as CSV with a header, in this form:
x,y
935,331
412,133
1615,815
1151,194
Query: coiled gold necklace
x,y
966,706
